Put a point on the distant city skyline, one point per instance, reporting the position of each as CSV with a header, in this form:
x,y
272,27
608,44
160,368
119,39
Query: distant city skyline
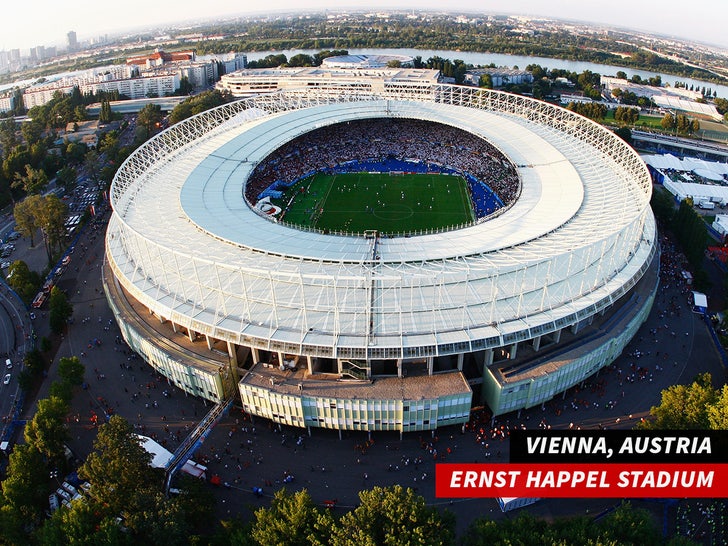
x,y
47,22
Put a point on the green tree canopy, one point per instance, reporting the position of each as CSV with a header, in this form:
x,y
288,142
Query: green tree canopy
x,y
149,118
689,407
627,525
290,521
25,490
396,516
66,177
51,216
24,281
60,310
33,181
47,431
25,214
119,466
70,369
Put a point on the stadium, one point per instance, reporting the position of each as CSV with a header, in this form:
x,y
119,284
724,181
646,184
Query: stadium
x,y
367,330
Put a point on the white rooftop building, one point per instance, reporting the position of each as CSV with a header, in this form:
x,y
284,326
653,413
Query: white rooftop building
x,y
250,82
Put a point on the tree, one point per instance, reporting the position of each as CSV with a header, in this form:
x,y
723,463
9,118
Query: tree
x,y
62,390
290,520
718,411
8,138
93,164
301,59
32,132
485,80
66,177
83,523
149,117
60,310
70,369
118,467
625,134
76,151
47,431
393,515
34,362
25,490
185,87
51,218
79,114
686,407
25,215
668,122
24,281
626,525
194,105
105,113
32,182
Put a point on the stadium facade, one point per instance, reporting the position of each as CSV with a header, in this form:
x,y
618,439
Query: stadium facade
x,y
366,332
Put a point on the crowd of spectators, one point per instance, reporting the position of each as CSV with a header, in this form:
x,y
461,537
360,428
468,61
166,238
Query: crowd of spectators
x,y
382,138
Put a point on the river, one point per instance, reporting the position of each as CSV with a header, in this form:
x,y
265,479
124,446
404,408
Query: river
x,y
500,59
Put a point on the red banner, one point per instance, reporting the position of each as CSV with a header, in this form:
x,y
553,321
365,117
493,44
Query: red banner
x,y
582,480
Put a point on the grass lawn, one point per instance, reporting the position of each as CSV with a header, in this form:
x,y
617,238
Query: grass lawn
x,y
389,203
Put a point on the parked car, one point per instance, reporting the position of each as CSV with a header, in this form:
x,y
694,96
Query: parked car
x,y
6,379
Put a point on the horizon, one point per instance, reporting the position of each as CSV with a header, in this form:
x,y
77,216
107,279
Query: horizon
x,y
91,22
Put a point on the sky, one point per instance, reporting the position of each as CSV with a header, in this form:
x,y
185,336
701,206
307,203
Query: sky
x,y
29,23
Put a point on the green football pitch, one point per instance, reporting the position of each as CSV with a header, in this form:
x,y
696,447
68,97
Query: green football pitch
x,y
389,203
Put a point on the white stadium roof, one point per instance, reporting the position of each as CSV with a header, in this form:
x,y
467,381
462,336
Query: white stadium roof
x,y
184,242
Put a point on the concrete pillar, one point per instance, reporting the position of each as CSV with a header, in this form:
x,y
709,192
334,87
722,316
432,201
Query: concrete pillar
x,y
280,358
430,364
232,353
256,355
174,327
209,341
399,367
557,336
309,365
191,335
461,358
514,350
536,343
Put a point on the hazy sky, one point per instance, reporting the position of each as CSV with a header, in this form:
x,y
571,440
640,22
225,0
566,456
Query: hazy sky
x,y
29,23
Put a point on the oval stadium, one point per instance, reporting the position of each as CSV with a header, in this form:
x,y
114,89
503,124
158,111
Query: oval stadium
x,y
358,325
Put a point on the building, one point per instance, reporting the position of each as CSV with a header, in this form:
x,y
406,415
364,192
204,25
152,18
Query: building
x,y
72,40
249,82
7,103
160,57
674,99
381,333
232,62
357,62
500,76
161,85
